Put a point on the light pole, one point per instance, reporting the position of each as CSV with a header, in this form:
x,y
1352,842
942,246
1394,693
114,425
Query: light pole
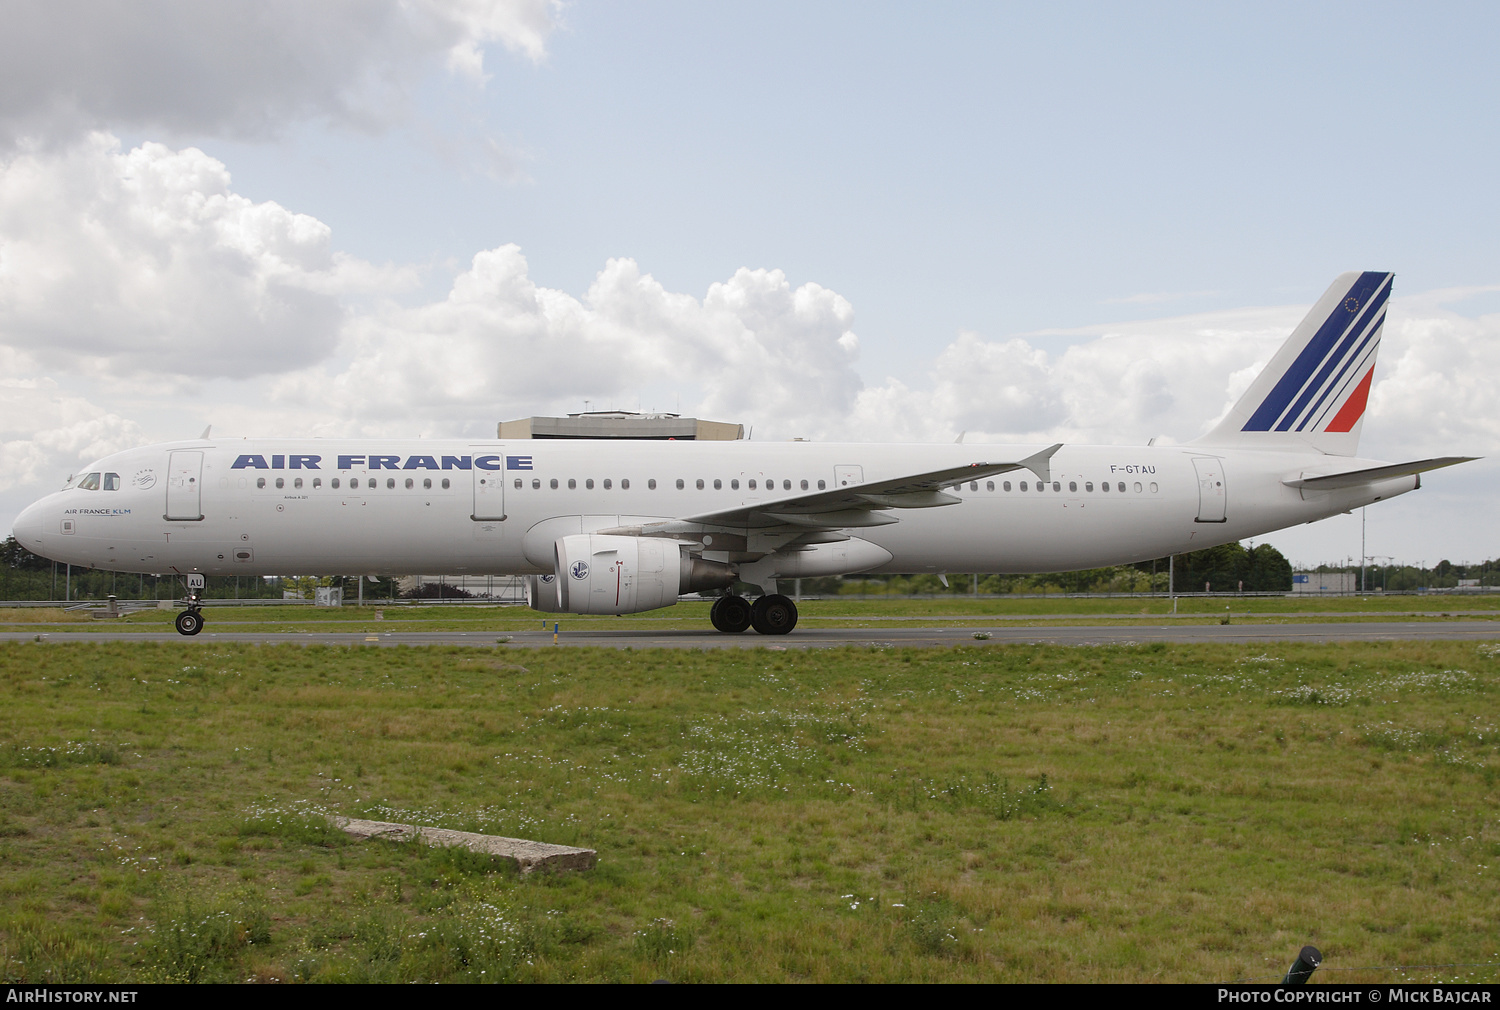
x,y
1362,554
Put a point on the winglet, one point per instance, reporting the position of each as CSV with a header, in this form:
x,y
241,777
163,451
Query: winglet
x,y
1041,463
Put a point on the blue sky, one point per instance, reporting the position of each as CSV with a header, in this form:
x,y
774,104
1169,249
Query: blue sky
x,y
950,184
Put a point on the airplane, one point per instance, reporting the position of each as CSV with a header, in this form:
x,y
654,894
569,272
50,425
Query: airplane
x,y
629,526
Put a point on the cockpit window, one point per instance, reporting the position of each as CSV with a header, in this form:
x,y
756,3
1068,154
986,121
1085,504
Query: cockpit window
x,y
89,482
111,482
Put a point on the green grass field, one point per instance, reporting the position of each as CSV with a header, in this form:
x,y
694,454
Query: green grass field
x,y
1006,813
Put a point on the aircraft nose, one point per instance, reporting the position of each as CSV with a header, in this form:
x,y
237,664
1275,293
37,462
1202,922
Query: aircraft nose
x,y
29,526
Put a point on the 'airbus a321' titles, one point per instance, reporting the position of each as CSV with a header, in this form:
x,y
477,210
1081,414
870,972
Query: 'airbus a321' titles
x,y
624,526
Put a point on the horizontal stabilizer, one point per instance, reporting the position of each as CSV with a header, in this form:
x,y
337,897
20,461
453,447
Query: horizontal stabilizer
x,y
1356,478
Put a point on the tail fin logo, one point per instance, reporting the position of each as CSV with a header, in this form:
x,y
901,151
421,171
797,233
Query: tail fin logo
x,y
1327,385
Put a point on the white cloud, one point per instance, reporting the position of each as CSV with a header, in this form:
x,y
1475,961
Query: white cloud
x,y
146,261
498,343
1437,394
189,68
44,429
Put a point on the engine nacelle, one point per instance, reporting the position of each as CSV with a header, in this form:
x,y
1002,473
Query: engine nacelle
x,y
541,594
600,574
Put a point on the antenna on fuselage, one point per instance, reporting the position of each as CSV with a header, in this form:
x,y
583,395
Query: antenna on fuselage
x,y
205,432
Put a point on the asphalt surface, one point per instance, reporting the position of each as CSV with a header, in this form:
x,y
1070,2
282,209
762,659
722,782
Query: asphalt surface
x,y
813,638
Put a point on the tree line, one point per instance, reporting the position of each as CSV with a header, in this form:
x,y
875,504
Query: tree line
x,y
1227,568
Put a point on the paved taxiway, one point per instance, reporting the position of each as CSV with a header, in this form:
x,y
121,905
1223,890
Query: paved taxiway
x,y
813,638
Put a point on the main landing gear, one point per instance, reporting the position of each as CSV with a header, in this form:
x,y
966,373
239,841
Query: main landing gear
x,y
770,615
190,621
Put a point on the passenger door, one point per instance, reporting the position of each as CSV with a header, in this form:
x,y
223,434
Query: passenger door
x,y
1212,494
185,486
489,487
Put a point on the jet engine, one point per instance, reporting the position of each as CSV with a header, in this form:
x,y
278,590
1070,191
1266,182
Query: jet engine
x,y
603,574
541,594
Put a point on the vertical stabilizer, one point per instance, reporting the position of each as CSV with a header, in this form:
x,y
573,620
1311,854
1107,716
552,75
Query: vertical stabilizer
x,y
1313,393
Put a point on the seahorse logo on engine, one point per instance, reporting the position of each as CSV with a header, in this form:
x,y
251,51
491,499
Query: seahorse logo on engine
x,y
580,569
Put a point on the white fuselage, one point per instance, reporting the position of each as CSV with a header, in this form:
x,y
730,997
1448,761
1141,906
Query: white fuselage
x,y
315,506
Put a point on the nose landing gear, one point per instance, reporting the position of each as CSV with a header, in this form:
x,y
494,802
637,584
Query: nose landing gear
x,y
190,621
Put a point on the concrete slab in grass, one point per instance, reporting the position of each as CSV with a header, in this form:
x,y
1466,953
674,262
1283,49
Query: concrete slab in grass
x,y
527,854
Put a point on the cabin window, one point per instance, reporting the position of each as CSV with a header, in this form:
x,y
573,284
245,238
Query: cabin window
x,y
608,483
317,482
1088,485
804,485
334,483
752,483
427,483
680,484
1137,487
989,485
624,483
734,484
536,483
718,484
651,484
973,485
572,484
1104,487
260,482
111,482
1057,485
822,485
588,484
700,483
1153,487
1072,485
518,484
1120,487
445,483
1006,485
770,485
1023,486
553,483
297,483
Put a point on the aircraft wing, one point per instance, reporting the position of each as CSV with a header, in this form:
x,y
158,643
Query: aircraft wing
x,y
856,505
1354,478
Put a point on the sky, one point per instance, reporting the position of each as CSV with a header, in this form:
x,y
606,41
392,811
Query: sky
x,y
1081,222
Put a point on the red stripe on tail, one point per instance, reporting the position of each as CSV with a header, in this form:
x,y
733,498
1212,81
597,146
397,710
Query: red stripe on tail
x,y
1354,407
